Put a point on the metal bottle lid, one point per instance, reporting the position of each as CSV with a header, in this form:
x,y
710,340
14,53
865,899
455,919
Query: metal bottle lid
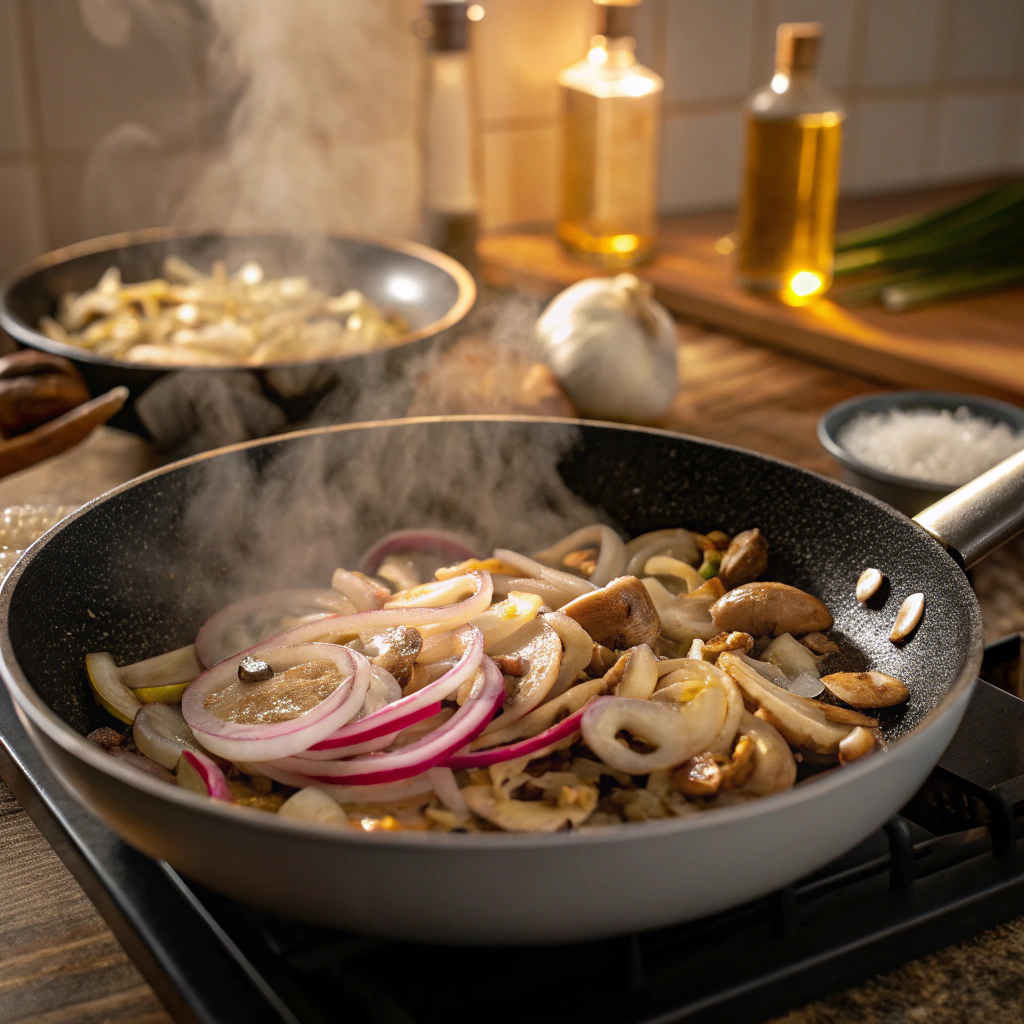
x,y
797,45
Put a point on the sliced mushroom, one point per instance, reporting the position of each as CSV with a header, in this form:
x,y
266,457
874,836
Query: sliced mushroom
x,y
611,559
701,776
745,559
539,645
818,643
395,650
907,617
741,642
867,584
763,609
801,721
866,689
620,615
510,665
861,741
639,673
601,658
774,766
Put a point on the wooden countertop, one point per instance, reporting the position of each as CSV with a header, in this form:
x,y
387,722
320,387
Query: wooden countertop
x,y
60,964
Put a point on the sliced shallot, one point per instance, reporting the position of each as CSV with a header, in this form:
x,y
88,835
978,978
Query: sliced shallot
x,y
496,755
161,733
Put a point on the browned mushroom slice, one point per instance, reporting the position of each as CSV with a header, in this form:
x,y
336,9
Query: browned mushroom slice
x,y
563,803
742,642
818,643
583,561
701,776
866,689
770,609
861,741
619,615
745,560
395,650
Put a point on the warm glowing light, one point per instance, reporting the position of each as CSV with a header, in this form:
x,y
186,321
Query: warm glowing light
x,y
780,82
405,289
598,55
475,12
636,85
624,243
805,283
726,245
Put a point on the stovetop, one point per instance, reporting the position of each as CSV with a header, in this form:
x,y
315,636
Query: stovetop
x,y
948,866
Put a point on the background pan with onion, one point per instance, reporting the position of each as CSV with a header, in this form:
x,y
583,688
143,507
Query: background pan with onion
x,y
116,556
430,292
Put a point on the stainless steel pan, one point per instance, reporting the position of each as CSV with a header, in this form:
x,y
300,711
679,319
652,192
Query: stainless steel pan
x,y
138,570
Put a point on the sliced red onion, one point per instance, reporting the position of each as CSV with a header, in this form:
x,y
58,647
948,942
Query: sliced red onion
x,y
365,594
417,706
350,750
220,636
509,752
448,546
339,627
235,740
201,774
383,793
467,723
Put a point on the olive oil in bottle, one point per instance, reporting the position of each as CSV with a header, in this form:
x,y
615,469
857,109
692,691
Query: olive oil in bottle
x,y
611,108
791,177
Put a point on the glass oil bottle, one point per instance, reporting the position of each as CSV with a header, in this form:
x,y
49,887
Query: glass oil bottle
x,y
791,176
611,107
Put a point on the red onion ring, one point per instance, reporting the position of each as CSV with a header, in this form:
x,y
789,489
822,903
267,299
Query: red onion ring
x,y
209,775
235,740
495,755
448,545
419,705
415,786
467,723
211,641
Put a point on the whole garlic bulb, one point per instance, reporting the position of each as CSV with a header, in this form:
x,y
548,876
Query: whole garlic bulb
x,y
612,347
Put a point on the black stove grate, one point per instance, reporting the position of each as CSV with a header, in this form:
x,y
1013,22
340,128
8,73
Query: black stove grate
x,y
946,868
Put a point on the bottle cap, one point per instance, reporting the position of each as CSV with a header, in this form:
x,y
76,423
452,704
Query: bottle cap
x,y
616,18
448,25
797,44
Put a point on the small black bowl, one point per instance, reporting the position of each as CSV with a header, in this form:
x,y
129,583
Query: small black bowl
x,y
906,493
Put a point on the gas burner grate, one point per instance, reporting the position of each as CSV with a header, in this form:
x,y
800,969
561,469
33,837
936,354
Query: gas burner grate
x,y
949,866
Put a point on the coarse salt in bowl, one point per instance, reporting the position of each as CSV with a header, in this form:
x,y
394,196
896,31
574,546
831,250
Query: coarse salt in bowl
x,y
910,448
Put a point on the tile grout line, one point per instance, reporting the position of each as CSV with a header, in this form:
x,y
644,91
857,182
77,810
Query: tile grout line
x,y
933,115
37,150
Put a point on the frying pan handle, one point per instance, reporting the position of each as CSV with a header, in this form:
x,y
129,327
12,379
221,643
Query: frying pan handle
x,y
975,519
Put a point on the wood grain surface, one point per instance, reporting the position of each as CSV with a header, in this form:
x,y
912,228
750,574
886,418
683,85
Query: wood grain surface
x,y
975,344
60,964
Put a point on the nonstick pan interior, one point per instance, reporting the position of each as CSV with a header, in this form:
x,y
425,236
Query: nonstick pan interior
x,y
137,572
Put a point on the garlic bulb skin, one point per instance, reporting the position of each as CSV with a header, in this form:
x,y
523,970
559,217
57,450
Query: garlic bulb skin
x,y
612,347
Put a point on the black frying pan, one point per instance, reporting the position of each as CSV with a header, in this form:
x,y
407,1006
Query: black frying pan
x,y
138,570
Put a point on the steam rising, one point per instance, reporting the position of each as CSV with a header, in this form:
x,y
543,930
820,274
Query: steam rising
x,y
313,103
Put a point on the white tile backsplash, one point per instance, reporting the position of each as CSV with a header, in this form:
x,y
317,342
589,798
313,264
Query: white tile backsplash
x,y
986,41
14,137
701,155
971,136
838,17
520,176
520,47
709,48
901,42
87,89
21,229
890,152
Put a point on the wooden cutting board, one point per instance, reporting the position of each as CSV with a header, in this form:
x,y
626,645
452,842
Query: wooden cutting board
x,y
974,344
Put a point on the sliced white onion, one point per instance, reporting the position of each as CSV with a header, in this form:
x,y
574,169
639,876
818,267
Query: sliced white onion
x,y
565,582
447,790
312,804
677,543
255,619
663,565
503,619
106,681
577,651
611,558
161,733
675,734
365,594
170,669
235,740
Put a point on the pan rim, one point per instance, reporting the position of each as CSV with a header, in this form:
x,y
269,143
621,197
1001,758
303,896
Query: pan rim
x,y
30,704
29,335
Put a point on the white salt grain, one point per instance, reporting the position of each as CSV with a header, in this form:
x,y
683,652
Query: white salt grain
x,y
933,445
